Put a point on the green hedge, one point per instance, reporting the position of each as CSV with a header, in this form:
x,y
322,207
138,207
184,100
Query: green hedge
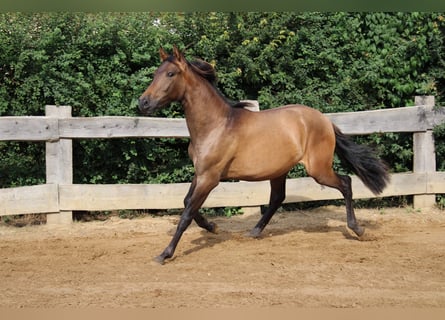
x,y
100,63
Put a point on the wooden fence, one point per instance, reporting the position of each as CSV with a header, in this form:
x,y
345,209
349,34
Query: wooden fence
x,y
59,196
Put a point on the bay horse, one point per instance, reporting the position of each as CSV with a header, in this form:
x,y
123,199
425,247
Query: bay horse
x,y
230,142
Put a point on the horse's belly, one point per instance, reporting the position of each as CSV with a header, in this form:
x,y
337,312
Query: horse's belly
x,y
261,167
268,155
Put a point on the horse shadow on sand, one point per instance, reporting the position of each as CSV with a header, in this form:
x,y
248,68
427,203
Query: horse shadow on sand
x,y
321,220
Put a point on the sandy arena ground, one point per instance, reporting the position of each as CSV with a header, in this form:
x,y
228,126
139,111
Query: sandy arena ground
x,y
304,259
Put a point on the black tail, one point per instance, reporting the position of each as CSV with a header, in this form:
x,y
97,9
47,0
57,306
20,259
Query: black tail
x,y
362,161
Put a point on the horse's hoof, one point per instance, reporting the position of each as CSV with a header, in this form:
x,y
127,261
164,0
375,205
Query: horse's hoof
x,y
255,233
359,231
159,259
214,228
366,236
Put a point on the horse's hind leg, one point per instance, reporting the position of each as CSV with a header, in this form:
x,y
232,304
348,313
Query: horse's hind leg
x,y
277,195
203,223
326,176
346,190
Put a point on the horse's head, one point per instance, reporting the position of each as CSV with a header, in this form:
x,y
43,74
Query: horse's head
x,y
168,82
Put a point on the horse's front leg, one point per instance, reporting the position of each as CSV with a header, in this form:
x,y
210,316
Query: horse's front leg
x,y
198,193
199,219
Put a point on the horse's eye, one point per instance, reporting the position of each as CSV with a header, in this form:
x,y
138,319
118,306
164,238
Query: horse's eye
x,y
170,74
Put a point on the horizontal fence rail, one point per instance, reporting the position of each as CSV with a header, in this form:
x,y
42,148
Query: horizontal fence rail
x,y
60,196
406,119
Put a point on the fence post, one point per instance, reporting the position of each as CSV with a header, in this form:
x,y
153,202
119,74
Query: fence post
x,y
424,155
59,164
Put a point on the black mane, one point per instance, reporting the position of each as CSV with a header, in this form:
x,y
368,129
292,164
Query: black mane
x,y
207,71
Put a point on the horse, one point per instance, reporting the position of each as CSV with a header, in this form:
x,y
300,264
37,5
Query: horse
x,y
231,142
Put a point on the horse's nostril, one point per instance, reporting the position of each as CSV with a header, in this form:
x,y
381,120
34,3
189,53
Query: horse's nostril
x,y
142,102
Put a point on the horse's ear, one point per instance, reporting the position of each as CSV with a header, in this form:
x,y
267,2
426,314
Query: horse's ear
x,y
178,54
163,54
180,58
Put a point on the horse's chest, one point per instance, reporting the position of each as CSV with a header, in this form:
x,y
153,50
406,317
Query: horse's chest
x,y
210,152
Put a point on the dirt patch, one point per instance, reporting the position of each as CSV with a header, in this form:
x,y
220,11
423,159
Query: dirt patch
x,y
304,258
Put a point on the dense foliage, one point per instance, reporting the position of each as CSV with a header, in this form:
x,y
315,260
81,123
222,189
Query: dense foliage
x,y
100,63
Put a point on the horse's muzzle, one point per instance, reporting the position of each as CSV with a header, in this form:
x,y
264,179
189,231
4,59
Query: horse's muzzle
x,y
147,106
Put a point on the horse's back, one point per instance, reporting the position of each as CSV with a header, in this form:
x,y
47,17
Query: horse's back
x,y
284,122
288,116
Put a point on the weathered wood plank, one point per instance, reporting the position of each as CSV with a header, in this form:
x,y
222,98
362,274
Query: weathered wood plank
x,y
424,162
28,129
436,182
44,198
122,127
406,119
424,153
29,199
59,162
306,189
168,196
59,153
121,196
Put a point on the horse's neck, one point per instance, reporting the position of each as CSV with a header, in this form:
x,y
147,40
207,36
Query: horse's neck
x,y
205,111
